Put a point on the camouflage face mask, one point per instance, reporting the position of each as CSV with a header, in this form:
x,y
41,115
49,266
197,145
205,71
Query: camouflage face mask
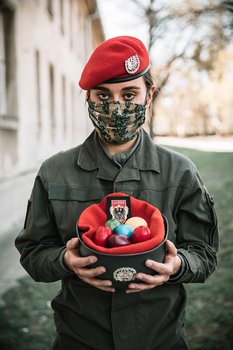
x,y
116,122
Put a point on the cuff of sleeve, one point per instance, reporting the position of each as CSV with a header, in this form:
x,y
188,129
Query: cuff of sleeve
x,y
61,261
175,278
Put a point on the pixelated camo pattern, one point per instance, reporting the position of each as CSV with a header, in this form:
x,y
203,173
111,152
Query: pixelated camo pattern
x,y
116,122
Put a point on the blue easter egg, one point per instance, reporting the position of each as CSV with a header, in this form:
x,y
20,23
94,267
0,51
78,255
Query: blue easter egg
x,y
124,229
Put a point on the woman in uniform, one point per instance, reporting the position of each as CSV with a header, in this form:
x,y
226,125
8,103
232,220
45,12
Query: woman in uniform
x,y
118,156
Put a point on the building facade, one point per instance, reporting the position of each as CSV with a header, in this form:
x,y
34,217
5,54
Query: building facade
x,y
44,45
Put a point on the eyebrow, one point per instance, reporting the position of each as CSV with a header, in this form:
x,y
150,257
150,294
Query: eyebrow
x,y
102,88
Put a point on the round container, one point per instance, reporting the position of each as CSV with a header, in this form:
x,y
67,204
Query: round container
x,y
122,268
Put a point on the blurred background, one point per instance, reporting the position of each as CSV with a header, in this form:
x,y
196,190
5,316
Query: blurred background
x,y
44,45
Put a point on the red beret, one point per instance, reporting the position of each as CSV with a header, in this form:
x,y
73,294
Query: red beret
x,y
95,215
118,59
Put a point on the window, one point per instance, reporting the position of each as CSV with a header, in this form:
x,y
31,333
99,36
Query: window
x,y
2,68
64,105
8,86
62,16
9,121
73,116
38,93
71,23
50,8
52,102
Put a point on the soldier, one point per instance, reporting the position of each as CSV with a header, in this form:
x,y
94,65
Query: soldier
x,y
118,156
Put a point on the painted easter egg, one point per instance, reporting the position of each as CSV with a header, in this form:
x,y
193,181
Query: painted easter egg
x,y
113,223
125,230
117,240
136,221
141,234
101,235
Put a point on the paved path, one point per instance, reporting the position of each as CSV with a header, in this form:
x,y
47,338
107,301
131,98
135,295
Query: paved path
x,y
10,268
14,193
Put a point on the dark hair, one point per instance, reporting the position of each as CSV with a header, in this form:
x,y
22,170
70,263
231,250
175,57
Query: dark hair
x,y
147,77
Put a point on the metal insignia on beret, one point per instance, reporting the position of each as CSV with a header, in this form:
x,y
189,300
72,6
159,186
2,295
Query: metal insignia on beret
x,y
132,64
124,274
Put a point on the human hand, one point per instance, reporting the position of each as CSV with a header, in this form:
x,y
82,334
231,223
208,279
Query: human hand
x,y
80,267
170,266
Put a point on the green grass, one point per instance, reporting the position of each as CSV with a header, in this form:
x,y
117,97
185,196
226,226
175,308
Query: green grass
x,y
26,320
209,324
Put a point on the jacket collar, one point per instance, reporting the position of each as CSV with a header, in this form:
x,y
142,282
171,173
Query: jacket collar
x,y
145,158
147,154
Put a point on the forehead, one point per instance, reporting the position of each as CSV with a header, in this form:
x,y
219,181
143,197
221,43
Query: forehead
x,y
137,84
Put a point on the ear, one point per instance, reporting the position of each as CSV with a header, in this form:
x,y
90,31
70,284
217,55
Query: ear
x,y
150,95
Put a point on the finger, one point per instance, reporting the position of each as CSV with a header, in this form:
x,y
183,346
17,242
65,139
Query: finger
x,y
171,249
107,289
130,291
148,282
155,280
160,268
82,262
138,287
105,285
90,273
72,243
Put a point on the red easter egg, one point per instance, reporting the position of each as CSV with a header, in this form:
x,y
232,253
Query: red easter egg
x,y
101,235
141,234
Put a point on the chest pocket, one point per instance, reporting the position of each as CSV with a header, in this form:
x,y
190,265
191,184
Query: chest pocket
x,y
67,203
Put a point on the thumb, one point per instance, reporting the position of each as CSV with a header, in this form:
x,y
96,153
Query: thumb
x,y
171,250
72,243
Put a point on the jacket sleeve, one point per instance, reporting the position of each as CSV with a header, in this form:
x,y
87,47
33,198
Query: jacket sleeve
x,y
39,242
197,234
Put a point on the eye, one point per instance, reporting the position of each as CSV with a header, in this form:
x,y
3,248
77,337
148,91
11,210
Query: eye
x,y
103,96
129,96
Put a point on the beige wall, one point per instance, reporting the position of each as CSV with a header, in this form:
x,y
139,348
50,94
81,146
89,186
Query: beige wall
x,y
42,109
45,109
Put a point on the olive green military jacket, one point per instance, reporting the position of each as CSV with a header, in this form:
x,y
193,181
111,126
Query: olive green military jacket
x,y
87,318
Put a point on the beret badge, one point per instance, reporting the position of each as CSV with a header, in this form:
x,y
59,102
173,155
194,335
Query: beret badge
x,y
132,64
124,274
